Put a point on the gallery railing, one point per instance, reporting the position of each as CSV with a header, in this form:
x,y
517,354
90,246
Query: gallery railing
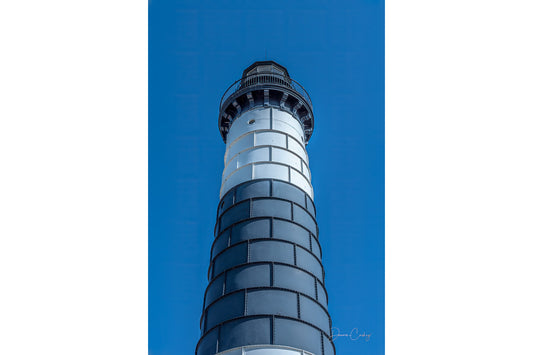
x,y
261,79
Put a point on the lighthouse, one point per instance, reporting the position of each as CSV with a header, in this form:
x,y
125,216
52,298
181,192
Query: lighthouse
x,y
266,293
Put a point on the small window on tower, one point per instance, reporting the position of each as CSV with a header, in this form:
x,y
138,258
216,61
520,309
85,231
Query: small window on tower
x,y
251,122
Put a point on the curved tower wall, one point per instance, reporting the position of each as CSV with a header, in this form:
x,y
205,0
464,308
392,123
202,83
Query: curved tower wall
x,y
266,292
266,143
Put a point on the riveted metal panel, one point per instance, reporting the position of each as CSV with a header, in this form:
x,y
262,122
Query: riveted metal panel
x,y
272,302
294,279
285,122
287,191
248,276
313,313
244,142
221,242
286,157
329,348
303,217
272,171
275,139
240,175
271,250
295,146
214,290
249,156
316,248
246,331
225,308
290,231
298,335
272,208
248,122
310,205
252,189
225,202
234,255
250,229
234,214
298,179
309,262
322,298
208,344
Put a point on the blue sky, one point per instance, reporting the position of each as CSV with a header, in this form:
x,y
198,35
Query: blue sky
x,y
336,51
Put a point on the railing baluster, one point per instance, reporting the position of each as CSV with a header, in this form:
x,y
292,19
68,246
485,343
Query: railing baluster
x,y
268,78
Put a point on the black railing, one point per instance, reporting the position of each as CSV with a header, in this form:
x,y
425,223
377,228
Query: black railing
x,y
265,79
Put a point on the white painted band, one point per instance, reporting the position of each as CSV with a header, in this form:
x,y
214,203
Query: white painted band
x,y
266,143
265,137
266,170
265,350
266,153
259,119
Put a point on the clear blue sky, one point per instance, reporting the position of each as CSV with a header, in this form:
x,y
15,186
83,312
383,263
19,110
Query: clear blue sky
x,y
336,51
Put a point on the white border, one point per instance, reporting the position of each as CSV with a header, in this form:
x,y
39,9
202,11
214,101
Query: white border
x,y
73,177
459,177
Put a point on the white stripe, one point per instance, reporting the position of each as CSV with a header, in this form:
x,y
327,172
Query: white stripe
x,y
266,143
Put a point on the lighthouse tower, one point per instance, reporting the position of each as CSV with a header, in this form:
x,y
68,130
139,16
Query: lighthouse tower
x,y
266,293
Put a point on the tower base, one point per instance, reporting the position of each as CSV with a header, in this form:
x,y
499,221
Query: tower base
x,y
265,350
